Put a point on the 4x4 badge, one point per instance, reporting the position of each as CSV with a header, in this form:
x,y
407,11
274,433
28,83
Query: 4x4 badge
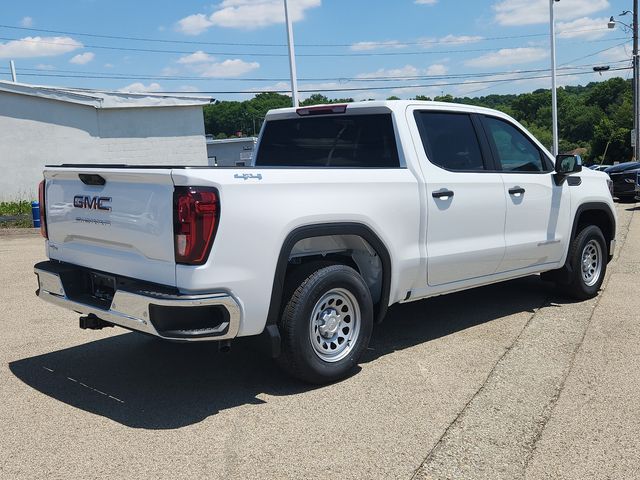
x,y
247,176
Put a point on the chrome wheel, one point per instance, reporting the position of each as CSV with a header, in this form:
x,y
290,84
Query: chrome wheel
x,y
591,263
334,325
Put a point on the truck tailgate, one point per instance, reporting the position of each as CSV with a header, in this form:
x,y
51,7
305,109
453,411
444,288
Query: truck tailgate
x,y
124,226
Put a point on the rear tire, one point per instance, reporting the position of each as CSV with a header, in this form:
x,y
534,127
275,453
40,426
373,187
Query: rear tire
x,y
587,260
326,325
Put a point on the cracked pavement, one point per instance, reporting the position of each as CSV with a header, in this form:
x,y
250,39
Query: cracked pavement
x,y
505,381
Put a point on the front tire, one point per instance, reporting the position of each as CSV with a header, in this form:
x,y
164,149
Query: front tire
x,y
588,263
326,325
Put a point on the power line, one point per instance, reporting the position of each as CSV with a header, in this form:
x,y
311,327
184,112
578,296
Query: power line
x,y
263,54
457,40
358,89
593,54
126,76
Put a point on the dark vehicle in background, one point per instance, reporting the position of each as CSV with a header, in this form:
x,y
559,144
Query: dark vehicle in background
x,y
599,168
624,177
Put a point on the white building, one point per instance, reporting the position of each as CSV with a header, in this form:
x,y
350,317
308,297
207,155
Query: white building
x,y
231,152
50,126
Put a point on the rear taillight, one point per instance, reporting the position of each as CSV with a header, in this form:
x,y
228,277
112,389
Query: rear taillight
x,y
196,215
43,210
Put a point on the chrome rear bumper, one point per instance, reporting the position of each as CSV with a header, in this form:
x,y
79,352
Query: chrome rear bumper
x,y
133,310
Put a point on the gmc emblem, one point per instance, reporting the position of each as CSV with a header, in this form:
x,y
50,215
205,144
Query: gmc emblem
x,y
92,203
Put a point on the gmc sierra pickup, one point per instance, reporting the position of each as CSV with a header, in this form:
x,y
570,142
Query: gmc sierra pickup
x,y
346,210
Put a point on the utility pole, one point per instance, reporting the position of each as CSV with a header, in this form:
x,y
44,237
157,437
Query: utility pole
x,y
12,67
292,57
554,87
636,76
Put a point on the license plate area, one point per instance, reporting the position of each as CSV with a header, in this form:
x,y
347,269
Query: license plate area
x,y
102,287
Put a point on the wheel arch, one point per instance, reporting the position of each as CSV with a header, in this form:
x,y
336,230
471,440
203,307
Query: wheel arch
x,y
324,230
599,214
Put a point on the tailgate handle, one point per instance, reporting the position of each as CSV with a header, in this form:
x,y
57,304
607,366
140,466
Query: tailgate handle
x,y
91,179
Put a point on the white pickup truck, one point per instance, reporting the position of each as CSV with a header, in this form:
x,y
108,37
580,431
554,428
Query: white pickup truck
x,y
346,210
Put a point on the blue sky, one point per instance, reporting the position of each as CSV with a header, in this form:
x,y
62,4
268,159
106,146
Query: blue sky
x,y
399,47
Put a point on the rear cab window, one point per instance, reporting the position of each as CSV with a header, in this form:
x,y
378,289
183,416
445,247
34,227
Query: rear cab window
x,y
450,140
338,141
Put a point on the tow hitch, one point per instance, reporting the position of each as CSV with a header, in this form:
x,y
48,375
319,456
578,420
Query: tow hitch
x,y
91,322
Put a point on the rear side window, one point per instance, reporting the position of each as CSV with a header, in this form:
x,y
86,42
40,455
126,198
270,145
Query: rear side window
x,y
348,141
450,140
513,150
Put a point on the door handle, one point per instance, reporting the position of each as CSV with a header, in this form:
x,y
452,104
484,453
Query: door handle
x,y
516,191
442,194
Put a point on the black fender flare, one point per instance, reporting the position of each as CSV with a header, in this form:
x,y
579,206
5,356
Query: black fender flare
x,y
601,206
323,230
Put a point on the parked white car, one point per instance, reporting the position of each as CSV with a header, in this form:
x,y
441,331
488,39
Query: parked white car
x,y
348,209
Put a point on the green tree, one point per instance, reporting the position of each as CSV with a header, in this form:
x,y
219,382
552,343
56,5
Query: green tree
x,y
589,116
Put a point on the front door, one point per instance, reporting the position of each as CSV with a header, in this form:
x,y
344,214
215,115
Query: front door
x,y
538,211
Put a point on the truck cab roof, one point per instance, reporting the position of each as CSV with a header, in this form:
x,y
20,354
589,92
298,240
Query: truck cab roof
x,y
386,106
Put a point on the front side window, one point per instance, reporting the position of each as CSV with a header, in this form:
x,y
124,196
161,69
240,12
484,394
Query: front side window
x,y
450,140
348,141
514,151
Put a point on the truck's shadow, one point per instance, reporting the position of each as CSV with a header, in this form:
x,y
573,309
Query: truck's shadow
x,y
142,382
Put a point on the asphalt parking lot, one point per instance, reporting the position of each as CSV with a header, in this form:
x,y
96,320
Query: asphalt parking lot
x,y
506,381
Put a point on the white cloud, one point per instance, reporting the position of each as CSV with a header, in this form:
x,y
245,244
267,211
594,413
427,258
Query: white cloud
x,y
531,12
207,66
83,58
139,87
196,57
423,42
460,39
363,46
508,56
228,68
406,71
584,27
194,24
26,22
246,15
108,65
426,2
437,69
29,47
45,66
171,71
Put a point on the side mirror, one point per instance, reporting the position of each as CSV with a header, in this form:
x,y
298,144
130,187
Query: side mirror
x,y
566,165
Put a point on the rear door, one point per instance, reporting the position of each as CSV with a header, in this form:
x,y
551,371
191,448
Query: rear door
x,y
465,200
115,220
538,211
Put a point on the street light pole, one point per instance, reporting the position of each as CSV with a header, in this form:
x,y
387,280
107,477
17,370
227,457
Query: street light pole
x,y
636,75
554,90
292,56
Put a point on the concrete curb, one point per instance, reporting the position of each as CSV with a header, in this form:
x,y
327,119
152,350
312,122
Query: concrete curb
x,y
19,232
